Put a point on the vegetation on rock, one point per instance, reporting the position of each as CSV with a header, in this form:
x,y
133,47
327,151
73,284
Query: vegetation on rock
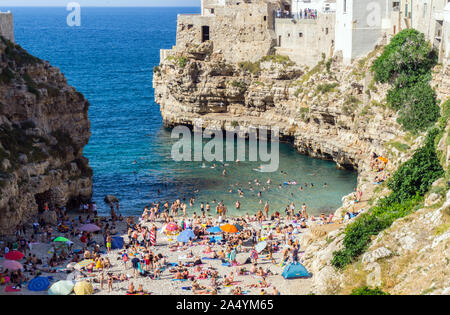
x,y
368,291
406,64
409,184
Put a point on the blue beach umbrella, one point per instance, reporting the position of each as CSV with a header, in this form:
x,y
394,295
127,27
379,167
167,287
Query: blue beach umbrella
x,y
185,236
214,230
39,284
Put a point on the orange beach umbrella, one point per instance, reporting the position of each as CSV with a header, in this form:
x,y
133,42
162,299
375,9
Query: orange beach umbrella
x,y
229,228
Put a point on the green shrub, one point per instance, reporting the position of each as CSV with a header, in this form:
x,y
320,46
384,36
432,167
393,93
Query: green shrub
x,y
283,60
407,53
6,75
182,62
298,92
31,85
417,174
368,291
326,87
242,86
416,104
406,64
328,65
252,67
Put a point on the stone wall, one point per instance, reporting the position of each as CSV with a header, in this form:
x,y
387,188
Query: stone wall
x,y
7,25
305,40
241,31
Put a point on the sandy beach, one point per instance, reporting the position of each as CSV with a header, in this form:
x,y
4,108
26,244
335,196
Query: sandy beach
x,y
249,283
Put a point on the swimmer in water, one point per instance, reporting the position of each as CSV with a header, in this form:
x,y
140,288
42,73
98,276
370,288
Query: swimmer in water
x,y
224,173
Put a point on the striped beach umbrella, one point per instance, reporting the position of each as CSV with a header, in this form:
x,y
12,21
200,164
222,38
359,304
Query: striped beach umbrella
x,y
153,238
83,264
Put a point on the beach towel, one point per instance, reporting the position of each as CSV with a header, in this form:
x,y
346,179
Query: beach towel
x,y
179,279
209,258
10,288
227,264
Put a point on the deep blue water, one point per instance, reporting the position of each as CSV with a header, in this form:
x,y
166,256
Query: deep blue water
x,y
110,59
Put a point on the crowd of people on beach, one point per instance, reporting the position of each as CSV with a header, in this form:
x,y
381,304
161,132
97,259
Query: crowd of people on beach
x,y
147,256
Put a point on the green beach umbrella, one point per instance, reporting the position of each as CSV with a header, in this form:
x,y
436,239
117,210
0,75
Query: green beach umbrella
x,y
64,287
61,239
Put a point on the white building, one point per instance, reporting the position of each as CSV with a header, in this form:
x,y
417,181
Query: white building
x,y
322,6
360,26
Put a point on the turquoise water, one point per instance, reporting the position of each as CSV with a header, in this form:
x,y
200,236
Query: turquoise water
x,y
110,59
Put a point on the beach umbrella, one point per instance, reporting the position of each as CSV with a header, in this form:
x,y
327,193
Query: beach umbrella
x,y
39,284
171,227
83,264
229,228
61,239
63,287
214,230
14,255
83,288
185,236
261,246
383,159
12,265
89,228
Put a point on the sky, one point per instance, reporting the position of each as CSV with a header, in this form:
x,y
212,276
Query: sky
x,y
101,3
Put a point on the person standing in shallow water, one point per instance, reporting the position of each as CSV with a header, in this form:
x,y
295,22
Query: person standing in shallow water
x,y
266,209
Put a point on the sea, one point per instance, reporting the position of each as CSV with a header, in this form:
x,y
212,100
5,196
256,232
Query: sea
x,y
110,59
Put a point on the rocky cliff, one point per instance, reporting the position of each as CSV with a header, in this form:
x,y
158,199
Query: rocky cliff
x,y
44,127
333,112
329,112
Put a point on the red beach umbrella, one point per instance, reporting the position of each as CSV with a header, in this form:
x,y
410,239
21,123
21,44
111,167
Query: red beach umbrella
x,y
14,255
171,227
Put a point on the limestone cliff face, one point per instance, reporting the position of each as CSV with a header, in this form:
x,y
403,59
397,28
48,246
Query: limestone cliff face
x,y
44,126
329,112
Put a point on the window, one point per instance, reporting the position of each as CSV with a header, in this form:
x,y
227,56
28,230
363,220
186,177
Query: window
x,y
406,10
212,11
205,33
300,35
424,9
345,6
265,18
326,31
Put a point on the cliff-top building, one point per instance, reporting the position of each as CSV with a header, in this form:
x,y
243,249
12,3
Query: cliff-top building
x,y
7,25
308,30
